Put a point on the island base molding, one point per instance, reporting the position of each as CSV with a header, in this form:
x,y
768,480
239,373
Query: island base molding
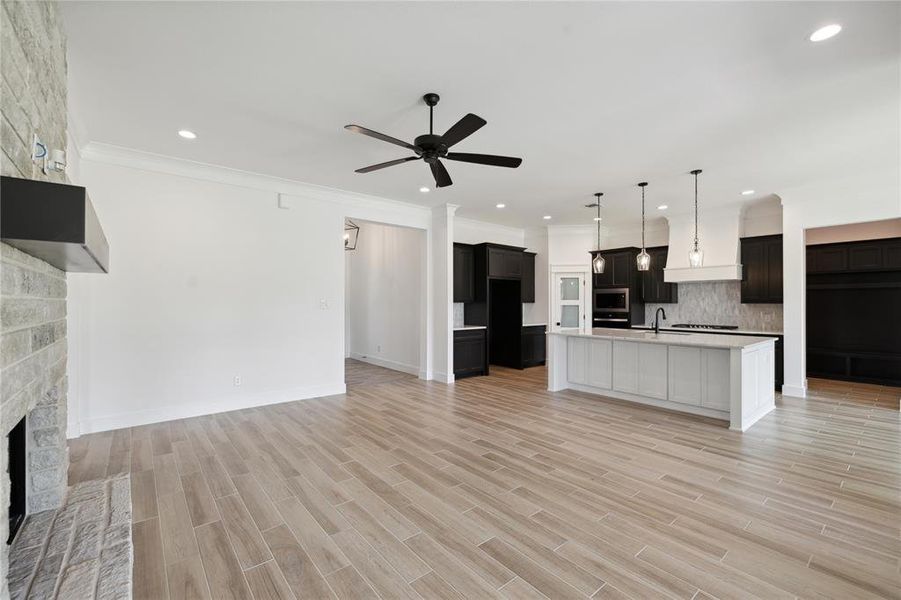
x,y
700,411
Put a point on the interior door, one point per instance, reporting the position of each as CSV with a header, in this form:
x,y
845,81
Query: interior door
x,y
569,302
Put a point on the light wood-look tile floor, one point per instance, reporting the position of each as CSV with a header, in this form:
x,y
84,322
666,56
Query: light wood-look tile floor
x,y
495,488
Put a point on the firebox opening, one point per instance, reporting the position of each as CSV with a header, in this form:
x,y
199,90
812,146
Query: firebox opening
x,y
16,470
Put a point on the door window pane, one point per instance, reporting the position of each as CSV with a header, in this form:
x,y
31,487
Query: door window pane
x,y
569,316
569,288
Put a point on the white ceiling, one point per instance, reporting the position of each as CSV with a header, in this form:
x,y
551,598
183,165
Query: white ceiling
x,y
592,96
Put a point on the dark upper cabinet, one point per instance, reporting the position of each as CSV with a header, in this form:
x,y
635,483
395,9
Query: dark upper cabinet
x,y
653,288
827,259
464,273
528,277
620,268
855,257
505,263
761,260
891,255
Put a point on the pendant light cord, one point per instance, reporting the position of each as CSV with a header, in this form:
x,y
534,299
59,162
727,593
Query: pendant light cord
x,y
642,217
696,209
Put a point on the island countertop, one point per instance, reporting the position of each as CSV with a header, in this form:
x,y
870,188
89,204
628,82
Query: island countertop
x,y
671,338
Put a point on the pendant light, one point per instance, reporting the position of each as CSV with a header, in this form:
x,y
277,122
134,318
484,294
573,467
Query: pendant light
x,y
597,261
696,256
351,234
643,259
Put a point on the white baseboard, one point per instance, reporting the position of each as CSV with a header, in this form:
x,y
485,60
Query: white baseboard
x,y
747,421
388,364
442,377
796,391
184,411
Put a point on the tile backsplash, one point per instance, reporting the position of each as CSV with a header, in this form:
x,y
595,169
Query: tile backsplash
x,y
718,303
458,314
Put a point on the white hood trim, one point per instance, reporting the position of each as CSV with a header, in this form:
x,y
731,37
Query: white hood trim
x,y
718,234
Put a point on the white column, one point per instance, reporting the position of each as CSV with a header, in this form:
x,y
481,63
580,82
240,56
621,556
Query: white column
x,y
794,292
442,251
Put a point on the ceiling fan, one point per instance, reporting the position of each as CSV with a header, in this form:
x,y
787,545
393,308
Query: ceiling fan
x,y
430,147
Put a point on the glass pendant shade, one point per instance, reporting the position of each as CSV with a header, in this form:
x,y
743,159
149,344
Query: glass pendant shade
x,y
597,264
695,258
644,260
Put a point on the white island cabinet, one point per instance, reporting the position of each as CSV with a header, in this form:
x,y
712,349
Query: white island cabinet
x,y
721,376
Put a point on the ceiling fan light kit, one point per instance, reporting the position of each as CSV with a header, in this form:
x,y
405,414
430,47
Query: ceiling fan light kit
x,y
431,148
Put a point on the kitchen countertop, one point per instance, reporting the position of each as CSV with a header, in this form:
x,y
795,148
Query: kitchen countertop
x,y
719,331
467,327
706,340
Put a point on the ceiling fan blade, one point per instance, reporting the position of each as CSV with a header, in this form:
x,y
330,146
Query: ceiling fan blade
x,y
485,159
380,136
463,128
390,163
442,177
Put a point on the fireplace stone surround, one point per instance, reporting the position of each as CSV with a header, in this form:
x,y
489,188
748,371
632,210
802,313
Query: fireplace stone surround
x,y
32,381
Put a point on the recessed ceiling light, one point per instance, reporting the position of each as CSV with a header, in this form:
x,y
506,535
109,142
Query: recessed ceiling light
x,y
824,33
424,190
546,217
662,207
188,135
747,192
501,205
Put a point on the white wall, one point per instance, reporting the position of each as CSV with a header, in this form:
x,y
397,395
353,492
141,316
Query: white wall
x,y
854,232
570,244
467,231
210,279
385,287
762,218
536,313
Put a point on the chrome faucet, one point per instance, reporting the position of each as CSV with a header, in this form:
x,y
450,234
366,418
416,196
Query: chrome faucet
x,y
657,319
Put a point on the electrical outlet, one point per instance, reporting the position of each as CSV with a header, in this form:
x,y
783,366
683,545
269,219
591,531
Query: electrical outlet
x,y
323,304
237,380
378,349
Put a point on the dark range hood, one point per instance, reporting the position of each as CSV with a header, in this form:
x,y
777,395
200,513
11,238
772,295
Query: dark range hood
x,y
54,222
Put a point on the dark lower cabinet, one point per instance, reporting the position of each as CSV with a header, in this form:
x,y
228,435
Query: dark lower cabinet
x,y
534,345
470,353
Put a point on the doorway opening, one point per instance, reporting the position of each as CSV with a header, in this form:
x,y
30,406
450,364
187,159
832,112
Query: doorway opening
x,y
385,304
853,291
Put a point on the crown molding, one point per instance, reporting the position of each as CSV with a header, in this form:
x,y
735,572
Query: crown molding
x,y
148,161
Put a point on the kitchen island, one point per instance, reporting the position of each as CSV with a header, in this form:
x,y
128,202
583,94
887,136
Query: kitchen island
x,y
720,376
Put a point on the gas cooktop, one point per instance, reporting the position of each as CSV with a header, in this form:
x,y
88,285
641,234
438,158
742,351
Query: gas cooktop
x,y
703,326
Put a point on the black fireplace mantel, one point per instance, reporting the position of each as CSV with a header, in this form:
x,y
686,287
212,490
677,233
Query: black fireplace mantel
x,y
55,222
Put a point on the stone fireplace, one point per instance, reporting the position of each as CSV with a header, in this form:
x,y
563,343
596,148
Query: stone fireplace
x,y
33,385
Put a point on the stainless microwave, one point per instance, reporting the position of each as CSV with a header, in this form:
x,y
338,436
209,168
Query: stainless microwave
x,y
611,300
